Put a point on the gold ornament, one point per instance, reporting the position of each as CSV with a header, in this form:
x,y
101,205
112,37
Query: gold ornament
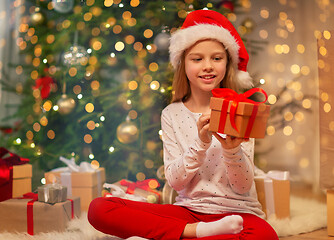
x,y
65,104
37,17
127,132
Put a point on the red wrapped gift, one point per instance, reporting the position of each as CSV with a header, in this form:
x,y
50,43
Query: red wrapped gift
x,y
237,115
13,167
144,188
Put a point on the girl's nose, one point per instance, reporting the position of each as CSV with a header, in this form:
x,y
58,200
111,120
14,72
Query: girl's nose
x,y
207,66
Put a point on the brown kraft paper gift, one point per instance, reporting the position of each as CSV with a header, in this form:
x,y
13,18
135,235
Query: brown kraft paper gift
x,y
83,184
21,179
46,217
243,114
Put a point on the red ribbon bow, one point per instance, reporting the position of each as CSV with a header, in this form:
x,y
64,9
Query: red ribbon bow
x,y
6,172
235,98
45,83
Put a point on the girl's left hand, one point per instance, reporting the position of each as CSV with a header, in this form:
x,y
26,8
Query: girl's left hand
x,y
230,142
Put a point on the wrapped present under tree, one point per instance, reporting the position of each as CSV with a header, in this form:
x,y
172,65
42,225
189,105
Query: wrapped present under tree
x,y
84,180
273,191
26,214
52,193
15,175
145,190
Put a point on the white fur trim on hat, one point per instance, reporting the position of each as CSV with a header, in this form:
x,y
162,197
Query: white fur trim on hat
x,y
245,81
185,38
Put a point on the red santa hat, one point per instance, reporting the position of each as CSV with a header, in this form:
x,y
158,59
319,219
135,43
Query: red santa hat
x,y
208,24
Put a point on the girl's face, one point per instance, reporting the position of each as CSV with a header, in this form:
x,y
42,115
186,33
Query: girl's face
x,y
205,65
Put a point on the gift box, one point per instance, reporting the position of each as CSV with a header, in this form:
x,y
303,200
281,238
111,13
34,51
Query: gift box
x,y
330,212
29,215
21,179
52,193
273,192
326,115
86,185
15,175
234,114
146,190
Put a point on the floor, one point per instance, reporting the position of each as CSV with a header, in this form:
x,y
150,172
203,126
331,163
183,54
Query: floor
x,y
305,191
316,235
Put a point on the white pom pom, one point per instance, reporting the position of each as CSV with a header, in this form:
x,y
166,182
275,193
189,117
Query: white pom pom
x,y
245,81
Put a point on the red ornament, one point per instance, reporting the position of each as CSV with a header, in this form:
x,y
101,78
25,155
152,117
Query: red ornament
x,y
9,129
45,83
6,130
227,5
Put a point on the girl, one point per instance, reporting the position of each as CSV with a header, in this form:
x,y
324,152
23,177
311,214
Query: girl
x,y
213,175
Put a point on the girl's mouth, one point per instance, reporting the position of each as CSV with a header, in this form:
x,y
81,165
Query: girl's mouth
x,y
208,77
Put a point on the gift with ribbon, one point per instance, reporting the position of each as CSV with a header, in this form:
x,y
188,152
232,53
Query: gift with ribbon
x,y
26,214
237,115
273,192
15,175
142,190
113,190
52,193
82,180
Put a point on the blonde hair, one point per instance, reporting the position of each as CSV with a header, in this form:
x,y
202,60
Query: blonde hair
x,y
181,86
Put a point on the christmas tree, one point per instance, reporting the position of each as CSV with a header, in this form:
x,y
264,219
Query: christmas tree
x,y
96,77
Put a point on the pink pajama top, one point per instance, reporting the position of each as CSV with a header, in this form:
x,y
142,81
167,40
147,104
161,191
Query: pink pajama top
x,y
208,178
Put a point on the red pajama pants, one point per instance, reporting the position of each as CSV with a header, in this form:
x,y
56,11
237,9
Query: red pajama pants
x,y
125,218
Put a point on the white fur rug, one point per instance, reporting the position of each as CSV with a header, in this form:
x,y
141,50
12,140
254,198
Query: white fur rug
x,y
306,216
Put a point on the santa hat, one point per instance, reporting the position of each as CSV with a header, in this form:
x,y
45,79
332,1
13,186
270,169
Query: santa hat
x,y
208,24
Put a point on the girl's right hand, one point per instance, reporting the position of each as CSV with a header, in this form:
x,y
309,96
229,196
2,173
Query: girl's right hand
x,y
203,128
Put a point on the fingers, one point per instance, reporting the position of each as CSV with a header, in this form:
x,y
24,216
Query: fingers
x,y
203,120
219,138
238,141
203,128
230,141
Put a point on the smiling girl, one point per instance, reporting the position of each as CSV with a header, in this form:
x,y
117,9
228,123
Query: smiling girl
x,y
213,175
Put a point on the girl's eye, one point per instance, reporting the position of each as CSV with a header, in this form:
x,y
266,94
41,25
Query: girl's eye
x,y
217,58
197,59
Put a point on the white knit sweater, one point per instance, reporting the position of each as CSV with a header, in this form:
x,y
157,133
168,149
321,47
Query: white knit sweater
x,y
208,178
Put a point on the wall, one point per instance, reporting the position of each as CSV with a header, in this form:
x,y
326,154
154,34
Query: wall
x,y
290,59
